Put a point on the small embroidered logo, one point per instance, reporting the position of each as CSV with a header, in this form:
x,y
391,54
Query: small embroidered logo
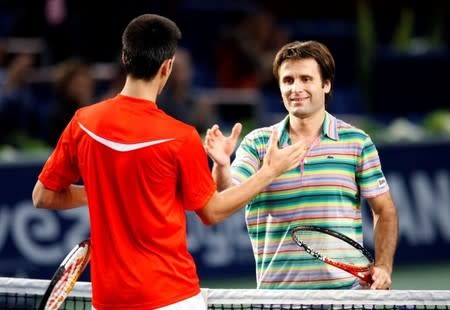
x,y
381,182
330,157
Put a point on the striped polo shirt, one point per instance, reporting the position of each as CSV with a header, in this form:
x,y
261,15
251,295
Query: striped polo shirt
x,y
339,169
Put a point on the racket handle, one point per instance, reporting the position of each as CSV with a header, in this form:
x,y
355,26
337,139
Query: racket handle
x,y
366,277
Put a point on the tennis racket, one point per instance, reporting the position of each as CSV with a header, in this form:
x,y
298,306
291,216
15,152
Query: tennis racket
x,y
335,249
66,276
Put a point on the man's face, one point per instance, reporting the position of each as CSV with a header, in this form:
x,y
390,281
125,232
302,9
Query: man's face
x,y
301,87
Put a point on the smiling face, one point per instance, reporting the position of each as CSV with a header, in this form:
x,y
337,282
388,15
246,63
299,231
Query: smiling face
x,y
301,87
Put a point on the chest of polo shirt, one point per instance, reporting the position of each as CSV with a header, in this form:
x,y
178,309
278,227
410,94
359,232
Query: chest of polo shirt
x,y
331,165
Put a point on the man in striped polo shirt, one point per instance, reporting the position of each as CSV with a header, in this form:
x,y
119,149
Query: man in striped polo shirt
x,y
341,166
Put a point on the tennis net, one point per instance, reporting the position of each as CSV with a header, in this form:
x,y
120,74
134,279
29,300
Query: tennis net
x,y
19,293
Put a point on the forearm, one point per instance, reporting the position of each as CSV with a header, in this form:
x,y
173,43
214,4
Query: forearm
x,y
72,197
222,176
76,196
227,202
386,237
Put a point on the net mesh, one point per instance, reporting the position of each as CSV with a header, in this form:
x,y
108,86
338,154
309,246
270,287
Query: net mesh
x,y
24,294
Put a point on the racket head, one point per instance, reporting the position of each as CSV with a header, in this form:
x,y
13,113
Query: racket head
x,y
336,249
66,276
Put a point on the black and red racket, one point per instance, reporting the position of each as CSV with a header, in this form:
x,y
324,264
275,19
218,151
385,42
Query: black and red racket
x,y
66,276
336,249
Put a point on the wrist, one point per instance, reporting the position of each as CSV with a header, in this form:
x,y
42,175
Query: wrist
x,y
266,173
224,165
385,267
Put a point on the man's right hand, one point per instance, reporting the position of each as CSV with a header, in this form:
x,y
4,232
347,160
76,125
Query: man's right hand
x,y
281,160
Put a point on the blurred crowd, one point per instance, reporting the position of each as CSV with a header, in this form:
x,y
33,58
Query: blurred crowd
x,y
59,55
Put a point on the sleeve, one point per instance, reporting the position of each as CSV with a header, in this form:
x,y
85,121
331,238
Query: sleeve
x,y
369,175
197,184
60,169
248,158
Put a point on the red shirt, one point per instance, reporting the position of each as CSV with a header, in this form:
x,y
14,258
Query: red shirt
x,y
142,170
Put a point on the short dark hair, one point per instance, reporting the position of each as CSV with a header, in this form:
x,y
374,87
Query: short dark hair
x,y
308,49
147,42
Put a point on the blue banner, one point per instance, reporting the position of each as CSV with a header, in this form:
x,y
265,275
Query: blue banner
x,y
33,242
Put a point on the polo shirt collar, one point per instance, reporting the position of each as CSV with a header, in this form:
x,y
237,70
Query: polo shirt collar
x,y
329,129
283,132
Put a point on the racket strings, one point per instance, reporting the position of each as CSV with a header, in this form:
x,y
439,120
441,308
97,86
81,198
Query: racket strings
x,y
332,248
73,268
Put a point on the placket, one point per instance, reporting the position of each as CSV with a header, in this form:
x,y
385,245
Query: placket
x,y
304,159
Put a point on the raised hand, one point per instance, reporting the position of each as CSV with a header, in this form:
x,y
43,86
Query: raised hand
x,y
281,160
220,147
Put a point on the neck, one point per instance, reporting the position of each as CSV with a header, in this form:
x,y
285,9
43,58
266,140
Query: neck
x,y
138,88
307,128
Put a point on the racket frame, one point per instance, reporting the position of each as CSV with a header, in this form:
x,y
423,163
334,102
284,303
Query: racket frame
x,y
60,272
361,272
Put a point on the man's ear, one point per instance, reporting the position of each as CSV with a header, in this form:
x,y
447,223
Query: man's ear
x,y
167,66
327,86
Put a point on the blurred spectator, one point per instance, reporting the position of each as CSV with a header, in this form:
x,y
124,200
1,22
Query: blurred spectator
x,y
244,54
180,97
116,83
74,88
16,102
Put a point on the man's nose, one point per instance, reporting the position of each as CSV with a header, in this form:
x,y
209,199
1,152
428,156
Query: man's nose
x,y
297,86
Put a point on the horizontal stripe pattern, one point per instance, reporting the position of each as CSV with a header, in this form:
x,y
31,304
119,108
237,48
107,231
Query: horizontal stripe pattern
x,y
325,190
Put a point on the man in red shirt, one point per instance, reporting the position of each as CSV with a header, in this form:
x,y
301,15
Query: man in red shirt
x,y
141,171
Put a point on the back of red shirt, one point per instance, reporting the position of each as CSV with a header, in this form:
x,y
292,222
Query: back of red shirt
x,y
142,170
